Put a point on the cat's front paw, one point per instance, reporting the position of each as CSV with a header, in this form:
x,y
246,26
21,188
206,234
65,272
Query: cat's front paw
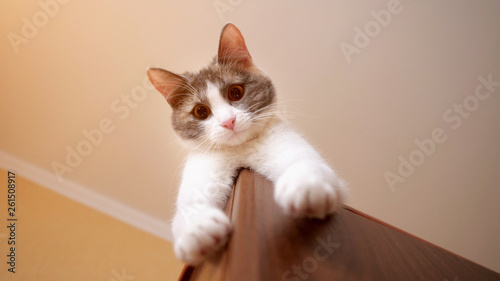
x,y
202,236
309,189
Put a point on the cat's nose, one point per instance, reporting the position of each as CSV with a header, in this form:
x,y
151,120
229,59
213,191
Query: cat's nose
x,y
229,123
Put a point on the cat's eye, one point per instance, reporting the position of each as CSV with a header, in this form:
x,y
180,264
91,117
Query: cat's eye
x,y
235,92
201,111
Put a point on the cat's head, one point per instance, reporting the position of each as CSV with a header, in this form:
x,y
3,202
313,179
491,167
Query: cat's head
x,y
224,104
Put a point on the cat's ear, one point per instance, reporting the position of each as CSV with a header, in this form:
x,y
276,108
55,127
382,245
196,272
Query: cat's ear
x,y
170,85
232,48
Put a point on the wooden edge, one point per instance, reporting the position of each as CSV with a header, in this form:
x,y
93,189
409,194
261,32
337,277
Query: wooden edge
x,y
186,273
188,270
355,211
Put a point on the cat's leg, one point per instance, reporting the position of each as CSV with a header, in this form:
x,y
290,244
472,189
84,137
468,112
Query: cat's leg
x,y
200,227
304,183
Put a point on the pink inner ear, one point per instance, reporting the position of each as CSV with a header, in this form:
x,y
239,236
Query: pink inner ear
x,y
232,47
167,83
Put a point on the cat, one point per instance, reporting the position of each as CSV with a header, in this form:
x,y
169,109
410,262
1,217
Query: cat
x,y
227,114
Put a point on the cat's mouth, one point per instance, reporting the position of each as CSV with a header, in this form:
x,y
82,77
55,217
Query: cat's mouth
x,y
237,136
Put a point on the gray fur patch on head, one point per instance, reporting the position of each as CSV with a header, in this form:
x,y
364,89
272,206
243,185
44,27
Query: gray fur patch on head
x,y
259,93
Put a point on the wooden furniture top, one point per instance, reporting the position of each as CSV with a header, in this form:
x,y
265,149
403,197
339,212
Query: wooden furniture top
x,y
268,245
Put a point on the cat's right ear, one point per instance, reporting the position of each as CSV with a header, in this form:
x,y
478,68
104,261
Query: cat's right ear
x,y
170,85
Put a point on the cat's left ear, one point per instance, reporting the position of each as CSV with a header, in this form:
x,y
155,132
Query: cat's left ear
x,y
232,48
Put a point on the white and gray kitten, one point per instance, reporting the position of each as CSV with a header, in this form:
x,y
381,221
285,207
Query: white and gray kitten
x,y
227,113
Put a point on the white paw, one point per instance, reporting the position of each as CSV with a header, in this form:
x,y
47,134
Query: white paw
x,y
202,236
309,189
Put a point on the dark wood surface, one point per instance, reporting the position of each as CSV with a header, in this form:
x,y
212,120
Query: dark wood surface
x,y
349,245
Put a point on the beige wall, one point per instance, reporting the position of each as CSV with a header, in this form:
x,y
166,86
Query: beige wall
x,y
73,72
